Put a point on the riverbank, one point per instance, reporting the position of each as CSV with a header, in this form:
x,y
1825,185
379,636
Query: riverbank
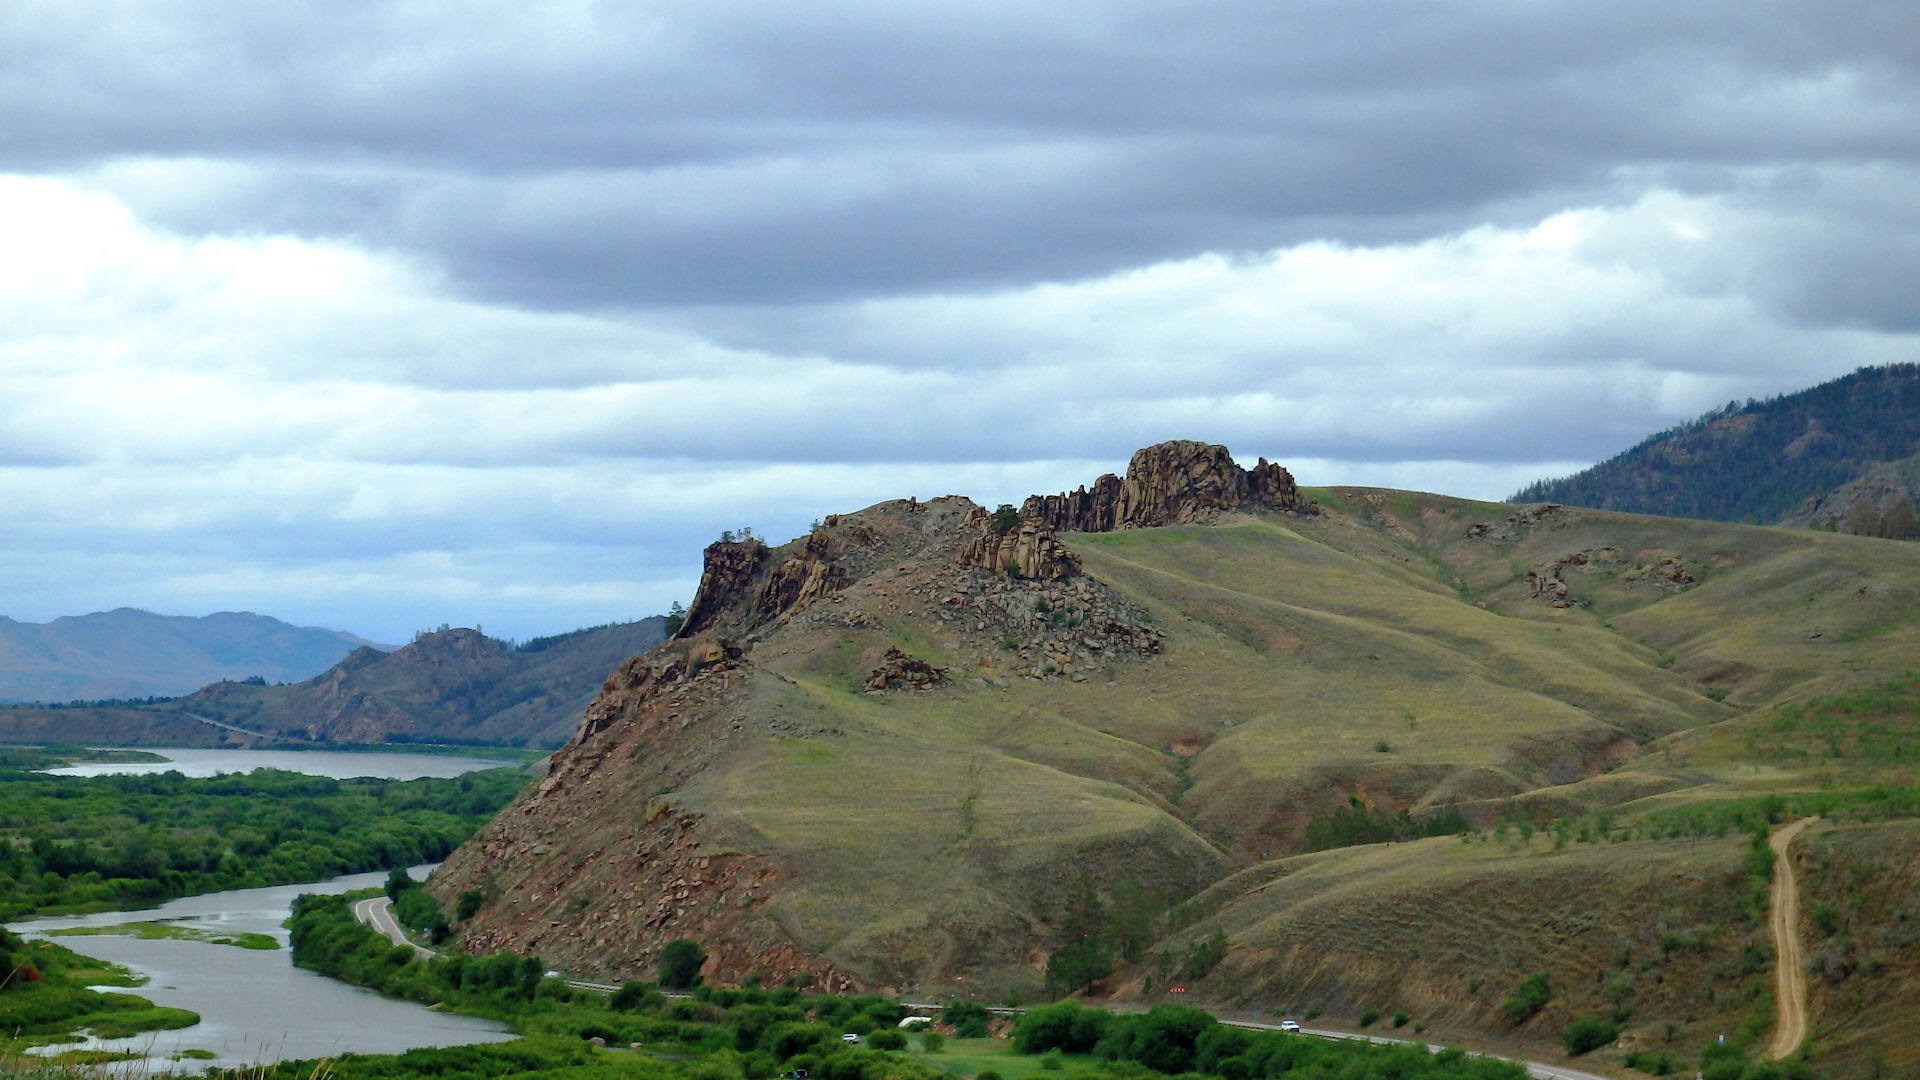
x,y
253,1005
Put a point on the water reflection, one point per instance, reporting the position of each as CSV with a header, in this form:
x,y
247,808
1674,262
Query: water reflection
x,y
255,1005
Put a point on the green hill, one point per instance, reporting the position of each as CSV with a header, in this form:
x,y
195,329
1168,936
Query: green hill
x,y
924,749
1761,461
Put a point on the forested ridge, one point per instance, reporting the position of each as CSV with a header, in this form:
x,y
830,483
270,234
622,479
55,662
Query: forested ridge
x,y
1759,461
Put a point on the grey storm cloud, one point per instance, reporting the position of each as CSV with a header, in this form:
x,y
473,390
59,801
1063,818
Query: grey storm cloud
x,y
626,154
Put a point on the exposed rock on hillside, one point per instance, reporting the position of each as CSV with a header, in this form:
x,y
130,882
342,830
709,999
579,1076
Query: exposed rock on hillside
x,y
903,672
1025,551
1170,483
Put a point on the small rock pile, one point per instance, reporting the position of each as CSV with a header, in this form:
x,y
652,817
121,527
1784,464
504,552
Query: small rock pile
x,y
902,671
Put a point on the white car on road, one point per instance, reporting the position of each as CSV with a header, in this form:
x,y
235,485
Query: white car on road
x,y
1290,1025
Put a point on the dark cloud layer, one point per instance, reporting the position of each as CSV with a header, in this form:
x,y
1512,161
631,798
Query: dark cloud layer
x,y
672,154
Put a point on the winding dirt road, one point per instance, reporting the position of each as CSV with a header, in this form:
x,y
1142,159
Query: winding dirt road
x,y
1789,977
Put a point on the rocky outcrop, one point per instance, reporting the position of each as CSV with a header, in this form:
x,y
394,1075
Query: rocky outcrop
x,y
727,575
1170,483
1025,551
801,579
1655,570
902,671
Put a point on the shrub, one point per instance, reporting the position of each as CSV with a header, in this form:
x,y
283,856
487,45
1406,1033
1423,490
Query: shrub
x,y
1528,998
986,1074
635,995
887,1040
932,1042
680,962
1400,1018
969,1019
1368,1016
1589,1033
1652,1061
469,904
1051,1060
1313,1014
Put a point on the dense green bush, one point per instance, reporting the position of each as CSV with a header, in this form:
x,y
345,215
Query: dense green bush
x,y
1589,1033
1528,998
969,1018
680,962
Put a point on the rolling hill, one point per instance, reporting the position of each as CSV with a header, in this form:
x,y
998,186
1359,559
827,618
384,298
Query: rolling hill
x,y
915,748
129,653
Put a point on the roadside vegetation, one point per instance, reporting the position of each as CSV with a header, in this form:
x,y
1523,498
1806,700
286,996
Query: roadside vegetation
x,y
757,1034
96,843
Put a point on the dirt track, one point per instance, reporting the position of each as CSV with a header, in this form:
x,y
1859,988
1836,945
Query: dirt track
x,y
1789,979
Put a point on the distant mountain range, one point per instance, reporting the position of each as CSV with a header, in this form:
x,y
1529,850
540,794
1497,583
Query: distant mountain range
x,y
129,653
1839,455
452,687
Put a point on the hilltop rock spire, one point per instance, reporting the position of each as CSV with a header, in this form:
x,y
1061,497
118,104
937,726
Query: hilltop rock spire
x,y
1170,483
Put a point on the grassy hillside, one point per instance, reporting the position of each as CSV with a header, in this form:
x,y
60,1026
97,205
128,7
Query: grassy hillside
x,y
1400,651
1759,461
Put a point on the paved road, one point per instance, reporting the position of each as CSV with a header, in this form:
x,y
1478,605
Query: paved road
x,y
1789,977
228,727
375,912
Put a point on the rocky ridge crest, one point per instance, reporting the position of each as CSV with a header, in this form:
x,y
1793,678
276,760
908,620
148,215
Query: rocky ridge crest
x,y
1171,483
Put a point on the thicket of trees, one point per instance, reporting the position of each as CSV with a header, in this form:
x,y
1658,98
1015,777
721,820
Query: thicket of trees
x,y
1358,823
117,840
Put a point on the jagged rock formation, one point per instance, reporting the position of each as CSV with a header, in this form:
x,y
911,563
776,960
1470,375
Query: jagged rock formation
x,y
729,566
1170,483
1025,551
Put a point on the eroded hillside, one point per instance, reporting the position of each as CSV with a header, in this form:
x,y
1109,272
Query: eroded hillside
x,y
893,752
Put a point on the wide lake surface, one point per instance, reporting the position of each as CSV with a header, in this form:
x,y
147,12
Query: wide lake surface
x,y
337,764
254,1005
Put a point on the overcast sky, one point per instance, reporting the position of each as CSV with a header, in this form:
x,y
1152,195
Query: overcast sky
x,y
381,315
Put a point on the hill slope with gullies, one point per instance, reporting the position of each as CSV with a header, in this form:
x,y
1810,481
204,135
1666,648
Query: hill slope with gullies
x,y
453,686
926,748
1765,461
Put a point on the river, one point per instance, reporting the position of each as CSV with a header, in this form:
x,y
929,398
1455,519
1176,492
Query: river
x,y
254,1005
340,765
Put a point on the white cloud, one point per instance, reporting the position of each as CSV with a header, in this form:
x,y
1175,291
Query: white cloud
x,y
329,433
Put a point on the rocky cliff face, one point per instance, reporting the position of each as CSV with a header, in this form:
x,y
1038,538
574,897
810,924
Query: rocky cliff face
x,y
1170,483
1024,551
